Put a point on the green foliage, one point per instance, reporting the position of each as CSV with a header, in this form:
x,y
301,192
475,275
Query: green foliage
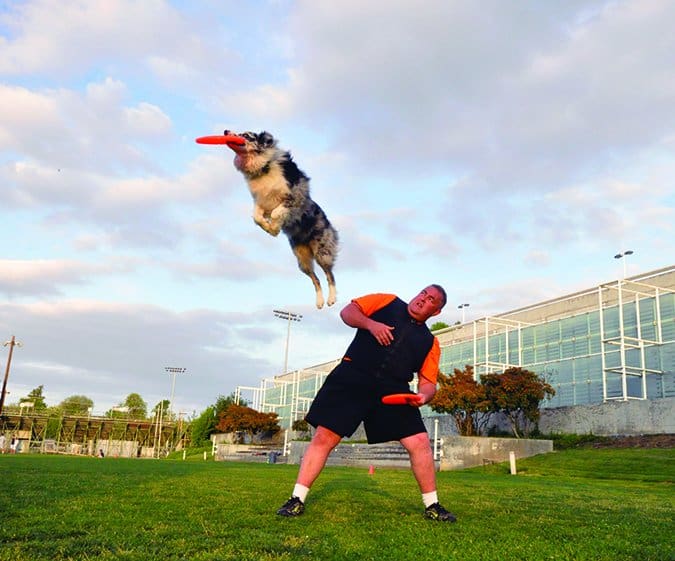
x,y
576,505
438,325
38,399
138,408
163,407
203,426
300,425
193,454
565,441
76,405
517,393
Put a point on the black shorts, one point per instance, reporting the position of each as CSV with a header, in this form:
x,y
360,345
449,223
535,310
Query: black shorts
x,y
349,397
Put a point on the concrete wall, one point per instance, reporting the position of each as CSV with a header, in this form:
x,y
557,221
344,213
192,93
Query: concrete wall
x,y
634,417
459,452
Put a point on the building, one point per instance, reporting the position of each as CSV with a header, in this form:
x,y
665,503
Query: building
x,y
612,342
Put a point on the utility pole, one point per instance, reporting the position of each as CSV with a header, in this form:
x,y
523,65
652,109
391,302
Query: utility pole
x,y
12,343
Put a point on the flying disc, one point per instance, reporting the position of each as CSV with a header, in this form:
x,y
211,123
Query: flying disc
x,y
401,399
222,139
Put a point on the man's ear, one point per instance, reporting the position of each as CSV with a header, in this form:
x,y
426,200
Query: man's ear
x,y
436,313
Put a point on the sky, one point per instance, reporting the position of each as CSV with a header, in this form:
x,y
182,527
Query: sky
x,y
505,150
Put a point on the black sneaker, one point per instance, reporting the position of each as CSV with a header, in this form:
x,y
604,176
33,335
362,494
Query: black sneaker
x,y
437,512
292,507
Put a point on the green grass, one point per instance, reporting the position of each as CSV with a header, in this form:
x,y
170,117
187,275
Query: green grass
x,y
572,505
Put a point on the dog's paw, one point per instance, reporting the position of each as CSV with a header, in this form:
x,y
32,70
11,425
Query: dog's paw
x,y
319,302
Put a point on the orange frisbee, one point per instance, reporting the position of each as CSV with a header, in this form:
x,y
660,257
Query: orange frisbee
x,y
222,139
401,399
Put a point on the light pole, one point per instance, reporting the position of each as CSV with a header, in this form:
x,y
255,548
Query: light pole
x,y
623,255
289,316
12,343
173,371
462,307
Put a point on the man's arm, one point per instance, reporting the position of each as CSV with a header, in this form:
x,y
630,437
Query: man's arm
x,y
352,315
426,390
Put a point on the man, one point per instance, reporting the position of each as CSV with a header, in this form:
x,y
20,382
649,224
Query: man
x,y
391,344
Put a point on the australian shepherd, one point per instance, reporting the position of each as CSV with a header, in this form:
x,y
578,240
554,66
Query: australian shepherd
x,y
282,202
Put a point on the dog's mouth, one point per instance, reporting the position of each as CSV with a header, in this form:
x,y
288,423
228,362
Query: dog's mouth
x,y
235,141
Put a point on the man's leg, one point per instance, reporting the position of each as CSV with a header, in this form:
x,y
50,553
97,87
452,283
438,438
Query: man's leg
x,y
424,469
323,442
421,460
314,460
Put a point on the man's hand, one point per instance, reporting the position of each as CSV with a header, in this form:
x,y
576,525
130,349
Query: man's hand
x,y
382,332
352,315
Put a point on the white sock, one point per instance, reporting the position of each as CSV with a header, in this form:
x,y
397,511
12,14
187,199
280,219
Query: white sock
x,y
300,491
430,498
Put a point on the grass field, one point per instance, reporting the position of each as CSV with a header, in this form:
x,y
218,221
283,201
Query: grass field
x,y
609,504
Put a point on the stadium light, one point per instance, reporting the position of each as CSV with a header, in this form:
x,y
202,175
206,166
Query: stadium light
x,y
12,343
173,371
623,255
288,316
462,307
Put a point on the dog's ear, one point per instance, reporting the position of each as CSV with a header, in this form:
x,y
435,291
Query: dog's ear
x,y
266,140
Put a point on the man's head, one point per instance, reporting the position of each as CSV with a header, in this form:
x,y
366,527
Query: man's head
x,y
429,302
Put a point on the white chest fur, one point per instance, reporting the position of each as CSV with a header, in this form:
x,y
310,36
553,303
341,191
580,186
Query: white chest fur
x,y
270,189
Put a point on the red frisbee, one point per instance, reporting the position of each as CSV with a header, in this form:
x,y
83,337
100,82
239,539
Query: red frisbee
x,y
222,139
401,399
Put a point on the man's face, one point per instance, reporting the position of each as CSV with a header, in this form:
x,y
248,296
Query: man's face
x,y
426,304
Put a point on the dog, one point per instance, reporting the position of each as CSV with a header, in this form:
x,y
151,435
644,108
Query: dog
x,y
282,203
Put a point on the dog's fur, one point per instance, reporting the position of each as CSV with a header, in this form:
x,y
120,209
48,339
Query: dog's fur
x,y
282,202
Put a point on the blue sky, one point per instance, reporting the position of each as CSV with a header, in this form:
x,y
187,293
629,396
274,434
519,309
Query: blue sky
x,y
507,150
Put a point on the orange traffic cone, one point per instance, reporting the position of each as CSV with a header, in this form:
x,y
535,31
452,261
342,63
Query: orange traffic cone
x,y
371,470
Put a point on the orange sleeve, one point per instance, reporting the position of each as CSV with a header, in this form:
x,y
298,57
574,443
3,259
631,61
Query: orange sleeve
x,y
370,303
429,370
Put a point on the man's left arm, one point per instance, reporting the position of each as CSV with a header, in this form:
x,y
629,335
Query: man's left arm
x,y
428,374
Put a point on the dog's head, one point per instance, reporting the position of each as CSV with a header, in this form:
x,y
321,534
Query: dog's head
x,y
256,143
255,154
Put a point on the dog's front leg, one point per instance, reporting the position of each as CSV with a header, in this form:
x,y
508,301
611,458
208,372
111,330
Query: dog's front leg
x,y
277,219
263,221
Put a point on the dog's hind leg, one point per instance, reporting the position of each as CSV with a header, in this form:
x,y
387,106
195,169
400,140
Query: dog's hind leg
x,y
325,251
326,263
305,258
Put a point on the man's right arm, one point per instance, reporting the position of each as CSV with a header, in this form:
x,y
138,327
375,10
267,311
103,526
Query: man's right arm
x,y
352,315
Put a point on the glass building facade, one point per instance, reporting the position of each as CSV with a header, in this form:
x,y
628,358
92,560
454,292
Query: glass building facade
x,y
615,341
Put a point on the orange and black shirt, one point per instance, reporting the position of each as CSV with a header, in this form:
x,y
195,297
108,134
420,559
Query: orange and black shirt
x,y
414,348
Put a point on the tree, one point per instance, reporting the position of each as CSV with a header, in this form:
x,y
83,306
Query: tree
x,y
162,406
133,407
517,393
438,325
464,398
300,425
38,399
239,418
76,405
205,425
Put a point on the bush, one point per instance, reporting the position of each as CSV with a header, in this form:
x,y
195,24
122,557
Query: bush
x,y
565,441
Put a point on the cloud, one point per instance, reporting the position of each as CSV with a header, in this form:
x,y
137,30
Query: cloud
x,y
47,277
69,130
86,347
